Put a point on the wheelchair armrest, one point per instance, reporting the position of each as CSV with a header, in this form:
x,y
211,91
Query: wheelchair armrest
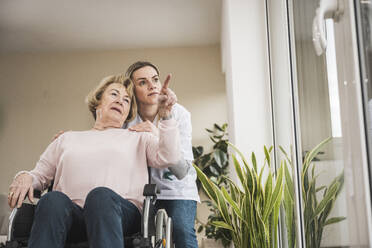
x,y
148,215
20,222
22,218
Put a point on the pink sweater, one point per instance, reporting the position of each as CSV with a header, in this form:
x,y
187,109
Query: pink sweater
x,y
114,158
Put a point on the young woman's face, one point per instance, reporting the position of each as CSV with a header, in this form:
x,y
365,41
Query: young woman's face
x,y
115,104
147,85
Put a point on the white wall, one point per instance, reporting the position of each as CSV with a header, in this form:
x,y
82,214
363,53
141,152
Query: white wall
x,y
245,63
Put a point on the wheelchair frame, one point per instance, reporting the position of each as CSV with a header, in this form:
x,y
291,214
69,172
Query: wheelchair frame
x,y
156,229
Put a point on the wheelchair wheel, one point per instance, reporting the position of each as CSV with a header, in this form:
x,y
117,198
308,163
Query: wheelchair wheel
x,y
163,230
168,233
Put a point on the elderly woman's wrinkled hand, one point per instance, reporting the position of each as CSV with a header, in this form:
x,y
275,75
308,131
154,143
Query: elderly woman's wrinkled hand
x,y
18,190
167,99
145,126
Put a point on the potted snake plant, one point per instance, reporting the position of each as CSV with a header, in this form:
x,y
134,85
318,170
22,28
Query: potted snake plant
x,y
250,209
318,200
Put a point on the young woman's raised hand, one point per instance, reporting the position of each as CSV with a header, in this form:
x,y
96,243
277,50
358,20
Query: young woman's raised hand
x,y
167,99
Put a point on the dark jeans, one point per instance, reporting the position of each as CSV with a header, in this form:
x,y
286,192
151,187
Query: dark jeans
x,y
183,214
104,221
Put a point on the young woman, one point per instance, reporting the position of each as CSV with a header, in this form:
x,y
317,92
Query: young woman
x,y
179,193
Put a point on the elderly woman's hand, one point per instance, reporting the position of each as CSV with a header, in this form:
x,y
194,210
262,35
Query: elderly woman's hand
x,y
20,186
145,126
167,99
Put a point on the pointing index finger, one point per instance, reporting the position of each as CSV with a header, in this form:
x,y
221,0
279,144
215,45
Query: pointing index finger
x,y
166,82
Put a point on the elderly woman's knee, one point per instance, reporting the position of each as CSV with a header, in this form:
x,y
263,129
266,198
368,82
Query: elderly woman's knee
x,y
54,198
99,196
53,202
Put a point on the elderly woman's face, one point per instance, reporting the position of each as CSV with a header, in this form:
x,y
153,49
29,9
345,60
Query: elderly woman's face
x,y
114,105
147,85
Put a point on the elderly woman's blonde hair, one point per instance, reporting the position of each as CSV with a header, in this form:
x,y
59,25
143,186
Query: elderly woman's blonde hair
x,y
94,97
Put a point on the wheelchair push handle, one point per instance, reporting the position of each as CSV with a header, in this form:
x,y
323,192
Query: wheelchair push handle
x,y
150,190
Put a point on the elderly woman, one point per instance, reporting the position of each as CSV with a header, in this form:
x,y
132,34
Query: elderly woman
x,y
99,174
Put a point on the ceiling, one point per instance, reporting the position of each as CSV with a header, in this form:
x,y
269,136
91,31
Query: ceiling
x,y
78,25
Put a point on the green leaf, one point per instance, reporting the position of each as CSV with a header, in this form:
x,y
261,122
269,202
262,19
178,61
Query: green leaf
x,y
220,157
203,161
233,204
222,205
214,170
250,180
222,224
327,198
288,198
214,141
261,174
218,127
238,170
218,136
288,178
320,188
264,229
289,216
235,194
268,188
284,152
334,220
197,151
207,184
254,162
267,156
312,154
275,196
224,126
276,218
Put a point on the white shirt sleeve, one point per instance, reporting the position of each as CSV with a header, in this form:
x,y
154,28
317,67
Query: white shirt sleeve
x,y
184,123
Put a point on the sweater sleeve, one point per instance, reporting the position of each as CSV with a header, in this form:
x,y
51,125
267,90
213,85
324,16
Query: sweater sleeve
x,y
45,168
164,151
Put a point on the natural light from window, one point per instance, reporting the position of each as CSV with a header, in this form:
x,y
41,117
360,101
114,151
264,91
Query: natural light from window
x,y
334,98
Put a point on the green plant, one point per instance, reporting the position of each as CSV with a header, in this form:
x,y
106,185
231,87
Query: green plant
x,y
289,202
316,211
250,212
214,165
214,232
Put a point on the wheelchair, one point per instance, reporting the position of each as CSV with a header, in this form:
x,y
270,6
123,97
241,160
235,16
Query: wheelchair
x,y
156,228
